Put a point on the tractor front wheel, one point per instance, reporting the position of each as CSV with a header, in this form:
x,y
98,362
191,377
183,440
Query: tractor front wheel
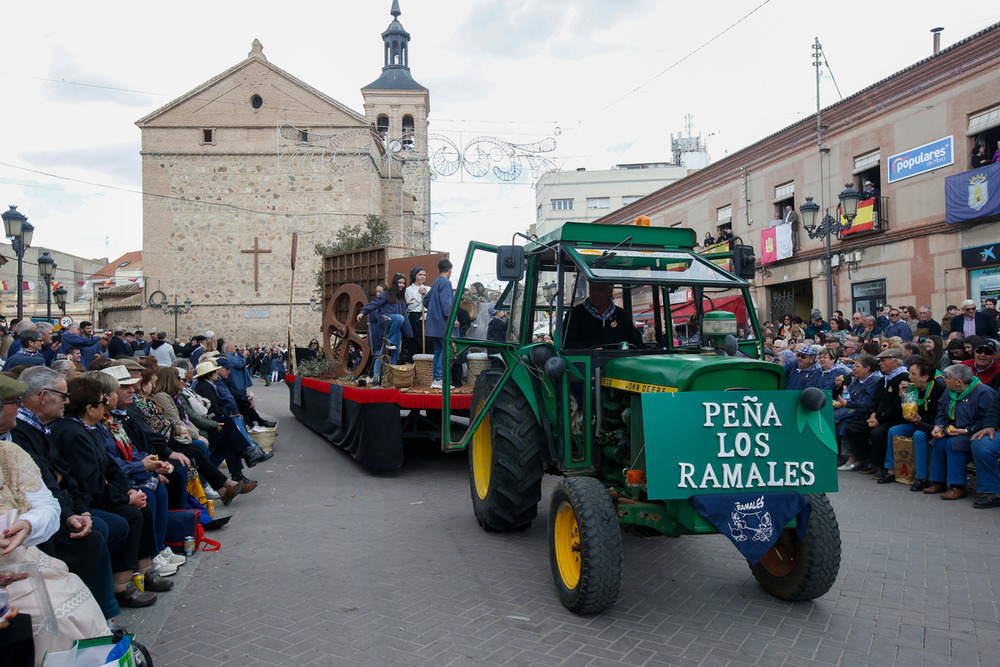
x,y
805,569
585,545
505,465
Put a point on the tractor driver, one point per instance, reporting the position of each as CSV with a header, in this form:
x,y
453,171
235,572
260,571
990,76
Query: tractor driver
x,y
598,322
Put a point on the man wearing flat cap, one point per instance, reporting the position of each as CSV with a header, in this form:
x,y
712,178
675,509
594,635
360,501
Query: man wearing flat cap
x,y
803,371
887,409
118,346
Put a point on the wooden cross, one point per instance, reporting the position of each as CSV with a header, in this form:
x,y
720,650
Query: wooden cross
x,y
256,254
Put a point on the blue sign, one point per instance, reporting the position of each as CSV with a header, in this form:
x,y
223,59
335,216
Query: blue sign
x,y
972,195
922,159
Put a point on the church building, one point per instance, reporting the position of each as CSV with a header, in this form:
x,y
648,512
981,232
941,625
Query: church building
x,y
234,168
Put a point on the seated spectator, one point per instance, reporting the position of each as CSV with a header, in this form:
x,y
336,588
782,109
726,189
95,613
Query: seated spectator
x,y
166,395
107,492
934,345
852,348
986,452
869,328
830,370
960,415
867,440
82,541
804,371
927,386
838,328
35,520
854,404
145,471
984,364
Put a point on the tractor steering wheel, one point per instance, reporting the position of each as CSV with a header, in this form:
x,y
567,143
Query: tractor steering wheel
x,y
614,346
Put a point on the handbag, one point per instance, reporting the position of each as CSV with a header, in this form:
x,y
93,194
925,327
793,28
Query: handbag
x,y
182,524
110,651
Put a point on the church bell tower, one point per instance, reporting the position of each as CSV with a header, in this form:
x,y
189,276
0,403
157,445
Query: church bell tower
x,y
398,106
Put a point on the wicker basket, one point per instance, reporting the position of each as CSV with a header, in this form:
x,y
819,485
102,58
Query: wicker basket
x,y
399,375
423,370
476,363
265,438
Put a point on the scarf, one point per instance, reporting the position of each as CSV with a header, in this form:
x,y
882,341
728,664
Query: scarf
x,y
118,434
954,399
925,401
606,315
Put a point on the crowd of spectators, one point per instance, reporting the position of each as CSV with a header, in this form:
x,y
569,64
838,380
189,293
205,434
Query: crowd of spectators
x,y
104,434
902,373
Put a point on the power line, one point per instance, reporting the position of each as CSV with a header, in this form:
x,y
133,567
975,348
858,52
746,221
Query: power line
x,y
676,63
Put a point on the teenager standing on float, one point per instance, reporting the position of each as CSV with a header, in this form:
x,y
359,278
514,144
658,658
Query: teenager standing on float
x,y
438,303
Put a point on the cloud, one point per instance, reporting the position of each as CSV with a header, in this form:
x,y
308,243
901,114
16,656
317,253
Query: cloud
x,y
77,85
119,161
522,29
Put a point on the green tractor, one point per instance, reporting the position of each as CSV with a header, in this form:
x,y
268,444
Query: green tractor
x,y
658,412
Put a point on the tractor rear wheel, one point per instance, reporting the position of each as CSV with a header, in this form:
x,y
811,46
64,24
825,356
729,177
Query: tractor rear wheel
x,y
805,569
585,545
505,465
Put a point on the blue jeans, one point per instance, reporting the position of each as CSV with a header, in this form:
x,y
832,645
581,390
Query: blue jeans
x,y
112,526
394,335
947,459
986,451
438,371
157,501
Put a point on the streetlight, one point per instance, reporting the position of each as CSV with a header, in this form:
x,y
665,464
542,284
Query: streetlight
x,y
175,309
17,228
47,268
59,295
829,226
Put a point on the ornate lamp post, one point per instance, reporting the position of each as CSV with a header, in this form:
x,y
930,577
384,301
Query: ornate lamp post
x,y
47,268
176,310
829,226
60,296
17,228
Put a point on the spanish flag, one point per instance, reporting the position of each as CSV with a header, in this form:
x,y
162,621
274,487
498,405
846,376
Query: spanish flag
x,y
864,221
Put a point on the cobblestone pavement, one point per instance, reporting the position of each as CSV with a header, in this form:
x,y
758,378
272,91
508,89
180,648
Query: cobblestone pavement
x,y
327,564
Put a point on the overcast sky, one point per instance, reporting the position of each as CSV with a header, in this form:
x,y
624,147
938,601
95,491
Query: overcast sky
x,y
609,80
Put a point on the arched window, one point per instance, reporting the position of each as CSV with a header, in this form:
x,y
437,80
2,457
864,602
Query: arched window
x,y
408,137
382,126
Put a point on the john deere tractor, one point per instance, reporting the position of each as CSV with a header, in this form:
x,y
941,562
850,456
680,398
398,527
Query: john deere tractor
x,y
674,427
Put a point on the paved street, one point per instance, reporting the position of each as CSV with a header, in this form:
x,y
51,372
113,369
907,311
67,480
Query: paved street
x,y
326,564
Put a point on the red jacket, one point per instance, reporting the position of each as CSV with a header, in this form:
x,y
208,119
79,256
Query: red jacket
x,y
984,376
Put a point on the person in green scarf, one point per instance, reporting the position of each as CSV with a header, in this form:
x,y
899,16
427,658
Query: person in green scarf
x,y
960,415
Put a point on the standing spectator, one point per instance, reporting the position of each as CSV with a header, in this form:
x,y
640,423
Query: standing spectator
x,y
161,350
139,343
996,154
816,325
438,303
961,414
197,349
277,365
790,215
972,323
30,353
949,312
990,308
80,337
708,240
897,327
926,325
117,345
979,156
415,313
927,390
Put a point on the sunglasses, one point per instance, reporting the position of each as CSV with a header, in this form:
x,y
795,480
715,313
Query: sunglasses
x,y
103,401
984,350
969,309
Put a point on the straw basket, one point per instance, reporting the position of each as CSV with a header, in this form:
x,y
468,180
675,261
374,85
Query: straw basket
x,y
477,362
423,370
265,438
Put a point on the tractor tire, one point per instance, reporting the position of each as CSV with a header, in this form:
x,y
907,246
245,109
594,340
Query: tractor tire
x,y
795,569
505,464
585,545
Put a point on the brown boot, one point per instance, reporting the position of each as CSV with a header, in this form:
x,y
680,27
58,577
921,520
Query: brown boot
x,y
935,487
227,493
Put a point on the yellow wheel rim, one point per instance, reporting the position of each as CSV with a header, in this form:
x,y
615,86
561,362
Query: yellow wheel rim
x,y
567,545
482,455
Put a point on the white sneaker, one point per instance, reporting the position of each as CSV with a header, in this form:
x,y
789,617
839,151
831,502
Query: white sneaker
x,y
175,559
436,384
163,565
211,493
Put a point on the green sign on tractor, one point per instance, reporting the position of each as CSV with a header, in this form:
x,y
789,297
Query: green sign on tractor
x,y
652,404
